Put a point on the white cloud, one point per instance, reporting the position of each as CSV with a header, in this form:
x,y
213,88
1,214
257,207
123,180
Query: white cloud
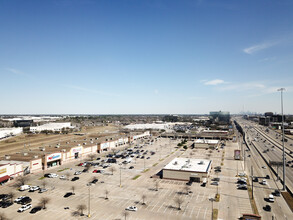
x,y
214,82
259,47
17,72
156,91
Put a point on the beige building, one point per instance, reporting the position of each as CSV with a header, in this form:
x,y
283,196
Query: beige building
x,y
9,170
206,143
187,169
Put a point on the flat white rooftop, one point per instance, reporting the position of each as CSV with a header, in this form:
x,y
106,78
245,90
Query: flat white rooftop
x,y
204,141
187,164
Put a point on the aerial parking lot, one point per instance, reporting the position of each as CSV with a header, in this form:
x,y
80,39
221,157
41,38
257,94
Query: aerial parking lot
x,y
105,190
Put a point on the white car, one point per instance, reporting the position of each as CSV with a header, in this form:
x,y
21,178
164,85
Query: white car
x,y
131,208
24,207
77,173
19,199
52,175
34,188
63,177
241,174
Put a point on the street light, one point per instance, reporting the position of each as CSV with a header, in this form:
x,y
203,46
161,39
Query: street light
x,y
283,138
89,209
212,200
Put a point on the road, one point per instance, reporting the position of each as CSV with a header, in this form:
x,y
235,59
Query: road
x,y
258,144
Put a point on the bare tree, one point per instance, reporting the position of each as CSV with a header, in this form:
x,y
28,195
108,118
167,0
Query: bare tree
x,y
87,167
106,193
3,216
44,201
91,156
44,184
186,189
21,180
11,196
112,169
67,174
143,199
157,185
179,202
72,188
125,214
80,208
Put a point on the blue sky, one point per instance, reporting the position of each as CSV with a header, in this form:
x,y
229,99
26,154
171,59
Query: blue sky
x,y
145,57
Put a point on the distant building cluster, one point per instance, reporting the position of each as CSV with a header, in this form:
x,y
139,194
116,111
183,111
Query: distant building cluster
x,y
51,127
220,117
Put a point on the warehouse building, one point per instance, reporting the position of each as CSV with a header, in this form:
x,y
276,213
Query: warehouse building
x,y
194,170
55,127
206,143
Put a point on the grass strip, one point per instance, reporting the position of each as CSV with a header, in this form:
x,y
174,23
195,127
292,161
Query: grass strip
x,y
155,164
136,177
215,214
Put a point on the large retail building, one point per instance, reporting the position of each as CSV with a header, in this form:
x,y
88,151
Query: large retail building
x,y
187,169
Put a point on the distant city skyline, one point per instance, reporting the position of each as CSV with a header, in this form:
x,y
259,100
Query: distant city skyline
x,y
145,57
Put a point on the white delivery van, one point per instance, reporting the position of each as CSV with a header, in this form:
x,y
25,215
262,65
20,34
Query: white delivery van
x,y
24,187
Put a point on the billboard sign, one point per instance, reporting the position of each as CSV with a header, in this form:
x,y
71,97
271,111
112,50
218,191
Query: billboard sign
x,y
237,154
76,150
53,157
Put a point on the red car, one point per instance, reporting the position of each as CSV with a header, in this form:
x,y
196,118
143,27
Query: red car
x,y
80,164
95,171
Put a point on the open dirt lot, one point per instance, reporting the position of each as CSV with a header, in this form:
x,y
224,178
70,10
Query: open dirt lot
x,y
32,141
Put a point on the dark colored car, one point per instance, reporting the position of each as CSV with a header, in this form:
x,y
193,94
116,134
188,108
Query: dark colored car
x,y
36,209
267,208
94,181
98,158
255,179
6,204
131,167
189,183
25,200
4,196
276,193
68,194
75,178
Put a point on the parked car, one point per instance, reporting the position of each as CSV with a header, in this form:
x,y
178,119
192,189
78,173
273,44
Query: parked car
x,y
52,175
131,167
24,187
24,207
75,178
215,183
6,204
95,171
271,198
68,194
94,181
276,193
267,208
131,208
25,200
242,186
19,199
63,177
36,209
263,182
43,190
4,197
34,188
77,173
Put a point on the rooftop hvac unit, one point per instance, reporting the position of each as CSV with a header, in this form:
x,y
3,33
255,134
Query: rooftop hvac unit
x,y
36,156
78,145
175,163
57,146
25,154
84,143
63,150
7,157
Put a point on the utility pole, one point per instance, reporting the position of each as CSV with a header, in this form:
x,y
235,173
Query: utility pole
x,y
89,209
283,139
252,181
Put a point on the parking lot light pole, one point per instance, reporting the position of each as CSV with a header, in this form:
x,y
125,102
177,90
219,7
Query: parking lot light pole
x,y
89,208
283,139
120,176
212,200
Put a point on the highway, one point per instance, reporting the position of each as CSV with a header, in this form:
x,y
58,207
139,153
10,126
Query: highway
x,y
259,143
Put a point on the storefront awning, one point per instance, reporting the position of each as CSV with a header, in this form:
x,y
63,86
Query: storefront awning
x,y
3,178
